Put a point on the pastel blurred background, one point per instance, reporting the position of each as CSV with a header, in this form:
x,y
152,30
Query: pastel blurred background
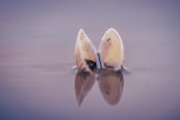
x,y
37,40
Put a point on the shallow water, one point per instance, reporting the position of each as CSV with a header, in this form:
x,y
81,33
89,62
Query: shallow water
x,y
37,54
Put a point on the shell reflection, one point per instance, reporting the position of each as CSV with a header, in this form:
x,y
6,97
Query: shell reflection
x,y
110,83
83,84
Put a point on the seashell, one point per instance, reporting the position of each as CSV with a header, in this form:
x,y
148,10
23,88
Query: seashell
x,y
111,49
110,53
85,52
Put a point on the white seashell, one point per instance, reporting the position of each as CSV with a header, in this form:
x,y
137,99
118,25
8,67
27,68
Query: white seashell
x,y
110,53
84,52
111,49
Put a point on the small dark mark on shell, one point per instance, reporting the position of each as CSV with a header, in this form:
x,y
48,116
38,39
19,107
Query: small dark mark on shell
x,y
108,66
108,39
91,64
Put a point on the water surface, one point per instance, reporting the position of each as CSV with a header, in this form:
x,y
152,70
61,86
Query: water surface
x,y
37,42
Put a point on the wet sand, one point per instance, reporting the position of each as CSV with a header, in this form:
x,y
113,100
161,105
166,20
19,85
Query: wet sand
x,y
37,53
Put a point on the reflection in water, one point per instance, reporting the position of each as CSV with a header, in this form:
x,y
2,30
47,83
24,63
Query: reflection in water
x,y
110,83
83,84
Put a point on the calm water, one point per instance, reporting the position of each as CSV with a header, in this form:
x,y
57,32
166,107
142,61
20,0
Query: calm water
x,y
37,53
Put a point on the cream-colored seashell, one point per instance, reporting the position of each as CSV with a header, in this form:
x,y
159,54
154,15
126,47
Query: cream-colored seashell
x,y
84,50
110,53
111,49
